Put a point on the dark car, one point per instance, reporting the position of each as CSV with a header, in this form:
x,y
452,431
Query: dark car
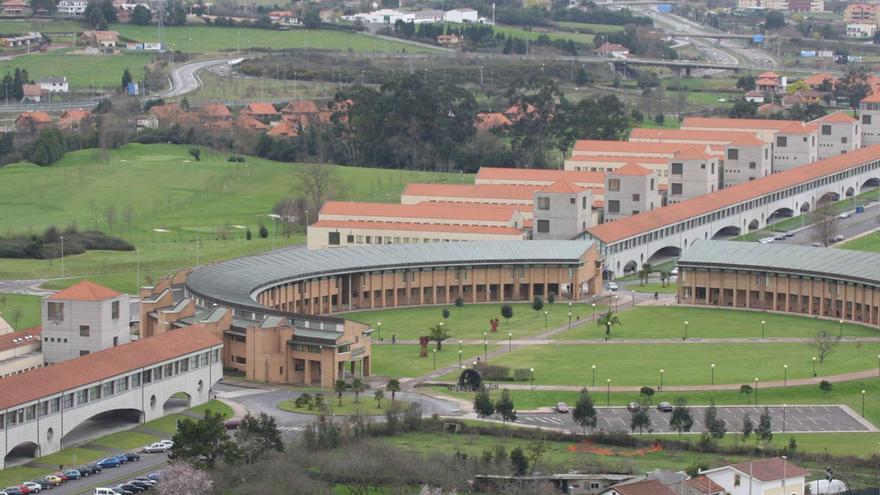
x,y
95,468
131,456
132,488
155,476
140,484
110,462
121,458
44,484
86,470
664,407
232,424
122,491
73,474
13,490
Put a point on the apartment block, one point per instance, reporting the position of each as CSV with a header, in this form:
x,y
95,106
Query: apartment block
x,y
692,172
630,190
838,134
562,211
869,113
795,145
746,159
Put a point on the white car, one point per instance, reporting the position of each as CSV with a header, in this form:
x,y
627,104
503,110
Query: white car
x,y
766,240
169,443
674,272
156,448
845,214
106,491
612,286
33,487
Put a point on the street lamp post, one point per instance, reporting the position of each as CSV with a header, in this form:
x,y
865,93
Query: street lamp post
x,y
459,346
532,378
863,403
594,376
616,303
62,257
486,347
608,392
545,319
594,310
685,337
763,329
712,367
435,358
569,321
379,325
661,378
274,217
785,376
509,342
783,418
459,357
841,328
756,391
814,364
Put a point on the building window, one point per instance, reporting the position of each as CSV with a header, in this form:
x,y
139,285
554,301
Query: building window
x,y
781,141
333,238
136,380
107,389
675,187
614,184
584,203
736,480
83,353
314,349
826,130
652,184
543,226
56,311
844,140
712,170
543,203
636,197
571,200
239,360
68,401
733,154
753,165
677,168
83,330
866,119
114,310
613,206
82,396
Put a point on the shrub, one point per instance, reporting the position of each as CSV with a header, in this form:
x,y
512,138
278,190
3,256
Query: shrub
x,y
522,374
493,372
825,386
264,232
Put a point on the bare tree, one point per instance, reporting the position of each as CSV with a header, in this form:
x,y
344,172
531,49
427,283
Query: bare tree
x,y
825,225
180,477
110,216
824,344
128,216
316,183
15,316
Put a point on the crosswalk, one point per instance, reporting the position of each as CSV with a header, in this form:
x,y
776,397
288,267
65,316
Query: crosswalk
x,y
294,429
544,419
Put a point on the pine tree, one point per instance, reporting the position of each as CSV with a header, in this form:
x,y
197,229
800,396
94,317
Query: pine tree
x,y
584,412
126,79
716,426
681,419
483,404
505,406
748,426
764,432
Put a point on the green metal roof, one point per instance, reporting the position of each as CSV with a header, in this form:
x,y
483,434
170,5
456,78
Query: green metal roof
x,y
237,281
844,264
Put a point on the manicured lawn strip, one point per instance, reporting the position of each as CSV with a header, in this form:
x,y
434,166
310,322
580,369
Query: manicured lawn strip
x,y
590,27
516,32
214,406
126,440
211,194
15,475
168,424
470,321
213,39
668,288
82,71
401,360
366,406
72,457
870,242
28,307
639,365
652,322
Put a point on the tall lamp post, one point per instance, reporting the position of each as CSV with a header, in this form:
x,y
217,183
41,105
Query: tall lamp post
x,y
685,337
509,342
841,328
459,357
863,402
712,367
594,376
459,346
532,378
379,326
545,319
763,329
486,347
435,358
569,320
783,418
756,391
608,392
274,217
785,376
814,364
594,310
616,303
661,378
62,257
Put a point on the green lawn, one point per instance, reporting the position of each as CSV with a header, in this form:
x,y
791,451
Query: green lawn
x,y
402,360
653,322
638,364
870,242
517,32
709,99
214,406
212,194
168,424
15,475
72,457
472,320
13,26
366,406
213,39
591,28
25,308
126,440
704,84
652,287
668,123
82,71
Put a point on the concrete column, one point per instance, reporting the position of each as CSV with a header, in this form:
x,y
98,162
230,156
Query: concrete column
x,y
422,287
307,373
394,289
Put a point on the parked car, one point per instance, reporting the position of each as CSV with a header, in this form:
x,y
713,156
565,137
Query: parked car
x,y
62,476
140,484
167,442
73,474
131,456
837,238
36,486
674,272
766,240
146,480
156,447
664,407
106,491
155,476
109,462
845,214
121,458
790,233
561,407
232,424
122,491
94,468
612,286
86,470
129,488
55,480
779,237
24,490
633,407
13,490
817,244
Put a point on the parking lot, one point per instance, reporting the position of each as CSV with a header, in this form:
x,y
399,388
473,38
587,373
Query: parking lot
x,y
791,419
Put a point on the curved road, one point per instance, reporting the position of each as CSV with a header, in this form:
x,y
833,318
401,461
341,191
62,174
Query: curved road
x,y
184,78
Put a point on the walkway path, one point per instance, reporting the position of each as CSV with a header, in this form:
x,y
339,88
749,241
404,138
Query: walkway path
x,y
722,340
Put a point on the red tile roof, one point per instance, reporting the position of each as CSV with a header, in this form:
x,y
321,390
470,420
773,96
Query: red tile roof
x,y
872,98
693,153
647,487
31,90
427,210
85,291
727,123
797,128
38,117
817,79
260,108
631,169
627,147
482,191
420,227
109,363
300,106
538,175
768,75
562,187
767,82
707,203
489,121
283,129
250,123
689,135
748,140
215,110
18,339
618,159
703,485
770,469
839,117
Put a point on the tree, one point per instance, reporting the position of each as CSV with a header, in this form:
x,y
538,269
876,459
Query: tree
x,y
459,303
715,426
826,225
764,432
551,298
746,83
48,5
357,386
438,333
483,404
312,18
825,386
854,86
647,393
519,462
584,412
681,419
264,232
379,395
203,441
196,153
141,16
743,109
774,19
257,436
507,312
824,344
181,477
608,319
126,79
393,386
339,386
645,272
748,427
747,390
95,16
659,119
175,13
797,86
15,317
48,148
316,183
665,277
583,78
537,305
445,314
505,406
640,420
109,11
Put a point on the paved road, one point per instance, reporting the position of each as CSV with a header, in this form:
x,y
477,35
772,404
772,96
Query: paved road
x,y
149,463
797,419
185,78
856,224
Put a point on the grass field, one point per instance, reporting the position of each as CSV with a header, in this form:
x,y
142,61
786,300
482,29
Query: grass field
x,y
133,181
212,39
402,360
517,32
870,242
72,457
82,71
652,322
668,288
472,320
12,26
28,307
214,406
366,406
683,364
591,28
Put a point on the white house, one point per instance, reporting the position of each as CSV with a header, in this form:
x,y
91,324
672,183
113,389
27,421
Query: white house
x,y
774,476
72,7
462,16
860,30
54,84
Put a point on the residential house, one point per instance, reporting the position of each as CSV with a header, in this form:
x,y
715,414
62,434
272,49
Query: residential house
x,y
32,93
516,112
491,120
774,476
612,50
214,111
861,13
755,96
14,7
262,111
283,17
860,30
72,7
838,134
630,190
283,129
21,40
816,81
100,39
770,109
74,119
167,114
248,123
54,84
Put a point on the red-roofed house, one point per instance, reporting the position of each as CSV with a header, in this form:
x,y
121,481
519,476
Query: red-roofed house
x,y
214,111
838,133
612,50
283,129
84,318
248,123
763,477
262,111
31,93
74,119
516,112
32,121
701,485
630,190
538,177
14,7
283,17
491,120
765,128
